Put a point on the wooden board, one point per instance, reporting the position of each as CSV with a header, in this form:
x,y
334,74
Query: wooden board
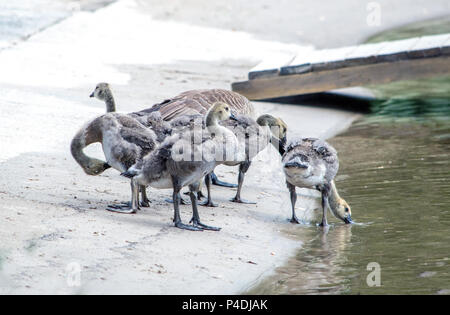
x,y
322,70
313,82
269,67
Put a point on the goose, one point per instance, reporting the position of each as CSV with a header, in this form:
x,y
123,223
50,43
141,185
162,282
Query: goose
x,y
124,140
197,102
313,163
164,167
93,166
253,136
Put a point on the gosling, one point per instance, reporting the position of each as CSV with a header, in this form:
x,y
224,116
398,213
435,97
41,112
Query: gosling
x,y
313,163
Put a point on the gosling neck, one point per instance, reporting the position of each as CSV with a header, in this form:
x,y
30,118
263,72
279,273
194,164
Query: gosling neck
x,y
76,148
278,145
211,120
109,101
334,197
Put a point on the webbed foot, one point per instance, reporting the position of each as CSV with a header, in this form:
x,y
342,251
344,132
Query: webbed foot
x,y
208,203
183,226
122,208
294,220
216,181
197,223
240,200
144,204
182,201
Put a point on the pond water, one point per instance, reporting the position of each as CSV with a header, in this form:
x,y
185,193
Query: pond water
x,y
395,176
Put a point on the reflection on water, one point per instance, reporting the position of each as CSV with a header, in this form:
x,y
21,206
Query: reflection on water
x,y
396,178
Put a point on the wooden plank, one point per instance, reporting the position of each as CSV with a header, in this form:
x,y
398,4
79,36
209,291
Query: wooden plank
x,y
445,48
427,46
333,58
317,60
396,50
300,64
313,82
364,54
270,66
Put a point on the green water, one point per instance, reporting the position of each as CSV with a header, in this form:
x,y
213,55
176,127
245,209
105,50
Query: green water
x,y
411,98
422,28
395,176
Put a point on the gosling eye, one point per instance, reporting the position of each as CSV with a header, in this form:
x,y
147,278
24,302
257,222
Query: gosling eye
x,y
346,209
227,109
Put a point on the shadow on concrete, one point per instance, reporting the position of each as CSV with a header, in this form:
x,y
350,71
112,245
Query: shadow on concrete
x,y
328,100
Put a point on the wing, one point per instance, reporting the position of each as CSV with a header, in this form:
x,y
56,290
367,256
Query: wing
x,y
197,102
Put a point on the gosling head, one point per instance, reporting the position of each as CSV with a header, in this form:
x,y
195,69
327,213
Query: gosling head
x,y
343,211
101,91
221,111
161,127
277,126
96,167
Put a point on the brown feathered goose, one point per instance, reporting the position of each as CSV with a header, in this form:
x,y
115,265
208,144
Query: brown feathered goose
x,y
313,163
197,102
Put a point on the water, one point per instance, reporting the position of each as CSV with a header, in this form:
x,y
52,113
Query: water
x,y
396,178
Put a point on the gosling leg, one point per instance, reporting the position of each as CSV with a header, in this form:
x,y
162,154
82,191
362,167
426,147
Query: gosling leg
x,y
131,207
325,204
176,206
195,216
145,202
243,168
293,193
208,202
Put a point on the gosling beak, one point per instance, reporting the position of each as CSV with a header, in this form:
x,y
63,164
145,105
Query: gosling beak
x,y
92,94
348,220
233,117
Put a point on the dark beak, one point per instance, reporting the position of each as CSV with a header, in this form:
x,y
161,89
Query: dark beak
x,y
233,117
295,165
348,220
92,94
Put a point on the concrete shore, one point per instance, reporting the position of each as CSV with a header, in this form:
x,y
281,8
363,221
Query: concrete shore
x,y
54,224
